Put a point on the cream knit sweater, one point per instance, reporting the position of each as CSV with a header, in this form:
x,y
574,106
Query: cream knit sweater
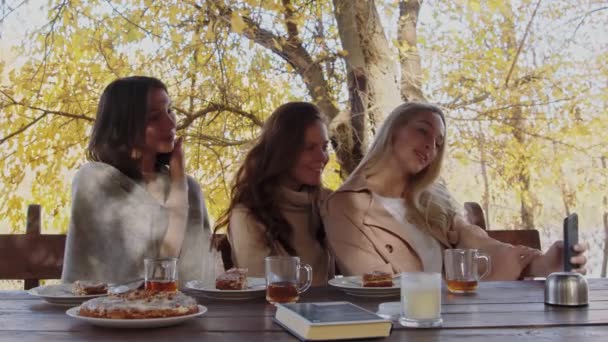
x,y
246,236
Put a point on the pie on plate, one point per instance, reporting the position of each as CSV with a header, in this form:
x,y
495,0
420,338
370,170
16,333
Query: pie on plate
x,y
139,304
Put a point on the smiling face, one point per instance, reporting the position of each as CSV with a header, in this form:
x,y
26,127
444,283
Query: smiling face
x,y
160,123
417,143
313,157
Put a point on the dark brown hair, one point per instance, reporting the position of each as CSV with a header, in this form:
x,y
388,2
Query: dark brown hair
x,y
266,164
120,123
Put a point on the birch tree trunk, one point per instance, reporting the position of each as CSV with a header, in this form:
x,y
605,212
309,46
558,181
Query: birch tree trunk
x,y
409,57
483,161
605,200
517,121
371,68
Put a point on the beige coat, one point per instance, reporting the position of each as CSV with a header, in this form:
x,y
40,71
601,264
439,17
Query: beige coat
x,y
246,236
365,237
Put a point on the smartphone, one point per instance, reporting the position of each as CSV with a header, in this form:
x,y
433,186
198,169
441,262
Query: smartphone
x,y
163,159
570,239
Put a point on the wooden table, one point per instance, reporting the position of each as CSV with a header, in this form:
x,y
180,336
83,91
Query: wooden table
x,y
500,311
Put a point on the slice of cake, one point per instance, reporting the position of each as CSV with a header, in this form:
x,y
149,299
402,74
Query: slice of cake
x,y
377,279
233,279
138,304
88,288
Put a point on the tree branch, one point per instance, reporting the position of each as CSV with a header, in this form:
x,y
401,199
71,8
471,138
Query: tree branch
x,y
44,111
22,129
135,24
292,28
11,10
293,52
214,107
217,141
583,20
521,44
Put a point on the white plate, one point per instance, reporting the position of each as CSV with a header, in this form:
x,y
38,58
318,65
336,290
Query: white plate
x,y
60,294
135,323
354,286
256,288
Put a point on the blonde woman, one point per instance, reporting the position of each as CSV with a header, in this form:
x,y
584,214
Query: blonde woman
x,y
393,215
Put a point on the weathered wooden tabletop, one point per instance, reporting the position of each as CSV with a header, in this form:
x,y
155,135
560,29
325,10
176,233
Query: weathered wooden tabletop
x,y
499,311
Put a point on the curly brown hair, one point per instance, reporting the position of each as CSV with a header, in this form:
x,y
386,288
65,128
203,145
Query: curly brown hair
x,y
266,164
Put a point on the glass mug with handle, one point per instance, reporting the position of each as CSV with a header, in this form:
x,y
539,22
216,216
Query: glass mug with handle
x,y
283,279
462,269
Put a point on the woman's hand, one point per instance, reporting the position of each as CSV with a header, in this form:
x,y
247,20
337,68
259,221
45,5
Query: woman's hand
x,y
176,163
552,260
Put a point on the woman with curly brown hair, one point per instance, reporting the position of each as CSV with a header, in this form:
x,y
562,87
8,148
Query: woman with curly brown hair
x,y
274,207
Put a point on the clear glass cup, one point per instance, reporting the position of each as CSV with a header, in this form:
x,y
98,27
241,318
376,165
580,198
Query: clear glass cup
x,y
160,274
462,269
420,300
283,279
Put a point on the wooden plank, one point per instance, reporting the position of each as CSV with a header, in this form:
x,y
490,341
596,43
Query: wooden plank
x,y
32,228
31,257
526,237
597,291
253,310
587,334
149,335
58,321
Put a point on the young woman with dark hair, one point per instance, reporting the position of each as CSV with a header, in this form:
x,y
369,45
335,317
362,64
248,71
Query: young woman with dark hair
x,y
133,199
274,207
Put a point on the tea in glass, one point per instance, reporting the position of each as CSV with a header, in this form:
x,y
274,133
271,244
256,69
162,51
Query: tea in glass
x,y
283,279
462,269
161,274
282,292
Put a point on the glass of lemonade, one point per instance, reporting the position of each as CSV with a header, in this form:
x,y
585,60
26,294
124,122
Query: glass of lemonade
x,y
420,300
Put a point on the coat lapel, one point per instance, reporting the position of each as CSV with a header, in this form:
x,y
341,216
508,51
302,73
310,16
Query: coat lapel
x,y
377,216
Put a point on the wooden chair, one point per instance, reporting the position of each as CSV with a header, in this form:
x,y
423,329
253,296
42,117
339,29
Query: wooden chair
x,y
525,237
475,215
220,241
31,256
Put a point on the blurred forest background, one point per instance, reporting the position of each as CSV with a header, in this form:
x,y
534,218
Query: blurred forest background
x,y
523,82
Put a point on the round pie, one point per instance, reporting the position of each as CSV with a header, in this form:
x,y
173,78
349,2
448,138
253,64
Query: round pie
x,y
139,304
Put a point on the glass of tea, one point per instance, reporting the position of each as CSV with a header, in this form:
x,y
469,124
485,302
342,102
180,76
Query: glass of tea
x,y
420,300
462,269
284,281
160,274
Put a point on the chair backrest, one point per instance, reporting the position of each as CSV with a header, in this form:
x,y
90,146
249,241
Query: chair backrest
x,y
475,215
31,256
220,241
526,237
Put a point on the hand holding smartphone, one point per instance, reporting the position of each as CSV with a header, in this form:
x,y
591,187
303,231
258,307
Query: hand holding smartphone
x,y
570,240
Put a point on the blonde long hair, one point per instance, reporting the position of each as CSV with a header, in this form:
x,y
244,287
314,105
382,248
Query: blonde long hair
x,y
428,201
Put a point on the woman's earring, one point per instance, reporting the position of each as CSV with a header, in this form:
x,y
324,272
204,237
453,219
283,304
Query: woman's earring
x,y
135,154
